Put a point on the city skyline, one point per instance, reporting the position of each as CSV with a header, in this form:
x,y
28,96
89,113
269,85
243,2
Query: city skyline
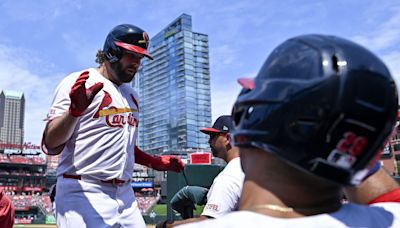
x,y
42,43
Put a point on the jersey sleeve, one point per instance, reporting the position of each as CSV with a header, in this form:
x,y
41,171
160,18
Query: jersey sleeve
x,y
61,100
392,196
60,104
223,196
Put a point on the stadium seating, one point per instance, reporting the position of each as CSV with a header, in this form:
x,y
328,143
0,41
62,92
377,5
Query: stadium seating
x,y
146,202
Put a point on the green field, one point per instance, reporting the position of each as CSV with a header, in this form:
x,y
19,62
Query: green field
x,y
161,209
34,226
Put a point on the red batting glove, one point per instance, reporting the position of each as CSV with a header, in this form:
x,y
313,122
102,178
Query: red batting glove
x,y
160,163
82,97
169,163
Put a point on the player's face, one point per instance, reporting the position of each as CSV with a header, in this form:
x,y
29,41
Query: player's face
x,y
217,145
125,69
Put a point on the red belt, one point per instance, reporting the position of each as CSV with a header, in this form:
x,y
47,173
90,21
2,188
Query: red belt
x,y
114,181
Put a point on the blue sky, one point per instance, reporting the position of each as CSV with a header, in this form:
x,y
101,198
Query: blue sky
x,y
42,41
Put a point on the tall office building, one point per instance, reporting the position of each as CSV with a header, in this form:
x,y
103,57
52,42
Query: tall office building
x,y
12,111
174,90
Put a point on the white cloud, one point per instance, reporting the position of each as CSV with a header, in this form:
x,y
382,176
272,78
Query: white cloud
x,y
384,38
386,33
38,89
34,11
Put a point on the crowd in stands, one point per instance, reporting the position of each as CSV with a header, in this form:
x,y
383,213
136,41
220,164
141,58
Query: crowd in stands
x,y
25,201
21,172
4,158
145,202
27,219
21,160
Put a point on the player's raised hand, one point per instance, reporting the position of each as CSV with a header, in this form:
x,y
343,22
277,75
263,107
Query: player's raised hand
x,y
82,97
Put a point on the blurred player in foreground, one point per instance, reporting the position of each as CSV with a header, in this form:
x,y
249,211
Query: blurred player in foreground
x,y
311,122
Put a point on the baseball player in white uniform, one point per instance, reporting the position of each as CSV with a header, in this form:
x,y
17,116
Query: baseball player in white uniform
x,y
93,123
224,193
307,126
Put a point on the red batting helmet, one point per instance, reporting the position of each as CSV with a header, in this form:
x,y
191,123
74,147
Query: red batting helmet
x,y
128,37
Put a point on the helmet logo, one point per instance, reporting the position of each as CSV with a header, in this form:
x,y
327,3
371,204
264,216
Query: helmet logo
x,y
145,40
348,149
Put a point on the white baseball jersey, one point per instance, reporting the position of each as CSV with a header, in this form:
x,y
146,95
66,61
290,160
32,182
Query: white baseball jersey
x,y
350,215
224,193
101,146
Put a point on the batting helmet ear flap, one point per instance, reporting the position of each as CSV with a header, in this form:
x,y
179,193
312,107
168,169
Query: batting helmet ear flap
x,y
114,53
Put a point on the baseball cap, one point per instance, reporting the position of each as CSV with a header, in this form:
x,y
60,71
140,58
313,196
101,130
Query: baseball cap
x,y
222,125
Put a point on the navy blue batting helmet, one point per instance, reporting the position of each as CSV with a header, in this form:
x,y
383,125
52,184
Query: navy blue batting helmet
x,y
322,103
128,37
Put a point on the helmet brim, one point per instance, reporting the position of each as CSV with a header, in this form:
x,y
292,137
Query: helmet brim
x,y
247,83
133,48
210,130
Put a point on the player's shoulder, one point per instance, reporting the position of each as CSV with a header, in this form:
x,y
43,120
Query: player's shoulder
x,y
233,164
127,87
389,206
234,169
376,215
132,91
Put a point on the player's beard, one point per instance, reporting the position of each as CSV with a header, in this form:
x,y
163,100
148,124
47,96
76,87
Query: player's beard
x,y
214,152
120,72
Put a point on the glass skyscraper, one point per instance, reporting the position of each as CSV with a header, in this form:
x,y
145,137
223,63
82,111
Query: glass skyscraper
x,y
174,90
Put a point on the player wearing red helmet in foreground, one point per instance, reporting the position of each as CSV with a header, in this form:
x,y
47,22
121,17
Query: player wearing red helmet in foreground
x,y
311,123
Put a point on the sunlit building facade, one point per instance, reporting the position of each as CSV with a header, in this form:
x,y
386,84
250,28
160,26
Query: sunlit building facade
x,y
174,90
12,111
